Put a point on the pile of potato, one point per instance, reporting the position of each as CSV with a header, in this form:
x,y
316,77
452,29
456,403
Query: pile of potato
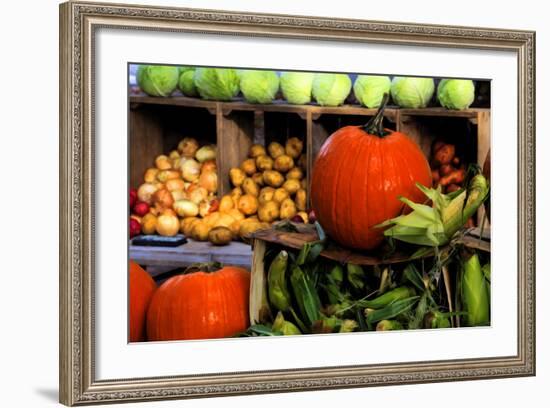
x,y
270,185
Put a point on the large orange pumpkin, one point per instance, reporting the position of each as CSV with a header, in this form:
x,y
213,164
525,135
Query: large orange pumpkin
x,y
358,176
142,287
200,304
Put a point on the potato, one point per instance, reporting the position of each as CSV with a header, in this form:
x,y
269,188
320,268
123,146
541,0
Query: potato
x,y
220,236
304,216
197,194
175,184
226,203
268,212
249,187
283,163
292,186
249,166
236,176
150,175
235,194
293,147
164,175
186,225
303,184
256,150
236,214
275,149
248,204
258,179
163,162
264,163
149,224
280,195
266,195
200,230
235,227
247,228
301,199
302,162
223,220
295,173
273,178
445,154
168,225
288,209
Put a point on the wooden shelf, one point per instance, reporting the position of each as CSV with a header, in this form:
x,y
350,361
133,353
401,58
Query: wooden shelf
x,y
236,253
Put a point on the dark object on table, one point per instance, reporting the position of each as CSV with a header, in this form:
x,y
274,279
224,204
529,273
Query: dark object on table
x,y
158,240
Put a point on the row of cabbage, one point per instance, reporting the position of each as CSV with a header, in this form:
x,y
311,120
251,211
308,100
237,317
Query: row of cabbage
x,y
299,88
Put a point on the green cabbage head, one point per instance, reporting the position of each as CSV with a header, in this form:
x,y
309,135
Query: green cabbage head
x,y
412,92
157,80
456,93
370,89
296,87
331,89
221,84
186,83
259,86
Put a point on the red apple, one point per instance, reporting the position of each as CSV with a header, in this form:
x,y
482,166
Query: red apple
x,y
135,227
311,216
141,208
133,197
297,219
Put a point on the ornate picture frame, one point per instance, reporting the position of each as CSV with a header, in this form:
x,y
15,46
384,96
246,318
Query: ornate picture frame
x,y
78,24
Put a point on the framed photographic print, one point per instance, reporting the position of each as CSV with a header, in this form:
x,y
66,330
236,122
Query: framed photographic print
x,y
256,203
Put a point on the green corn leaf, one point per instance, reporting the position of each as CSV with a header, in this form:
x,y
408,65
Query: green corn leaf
x,y
306,296
393,310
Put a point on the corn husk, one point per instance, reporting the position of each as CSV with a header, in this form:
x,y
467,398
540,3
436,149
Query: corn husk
x,y
437,224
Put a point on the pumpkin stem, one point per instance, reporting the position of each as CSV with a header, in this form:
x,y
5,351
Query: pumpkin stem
x,y
203,267
375,125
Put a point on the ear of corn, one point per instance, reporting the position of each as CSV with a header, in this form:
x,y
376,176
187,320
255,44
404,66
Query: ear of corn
x,y
392,310
356,276
389,297
285,327
436,225
475,297
279,295
384,325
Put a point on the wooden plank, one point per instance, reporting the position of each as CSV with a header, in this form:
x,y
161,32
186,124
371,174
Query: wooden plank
x,y
175,100
145,143
235,133
236,253
483,148
416,131
464,113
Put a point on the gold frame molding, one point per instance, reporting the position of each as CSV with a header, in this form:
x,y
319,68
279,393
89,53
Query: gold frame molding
x,y
78,22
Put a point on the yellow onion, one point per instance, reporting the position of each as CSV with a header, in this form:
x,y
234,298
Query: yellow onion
x,y
197,194
178,195
188,147
186,208
190,170
164,175
163,162
150,175
208,207
162,199
167,225
149,224
145,192
206,153
209,165
175,184
209,180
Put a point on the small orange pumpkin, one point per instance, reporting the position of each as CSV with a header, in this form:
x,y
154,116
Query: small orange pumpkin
x,y
202,303
142,287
